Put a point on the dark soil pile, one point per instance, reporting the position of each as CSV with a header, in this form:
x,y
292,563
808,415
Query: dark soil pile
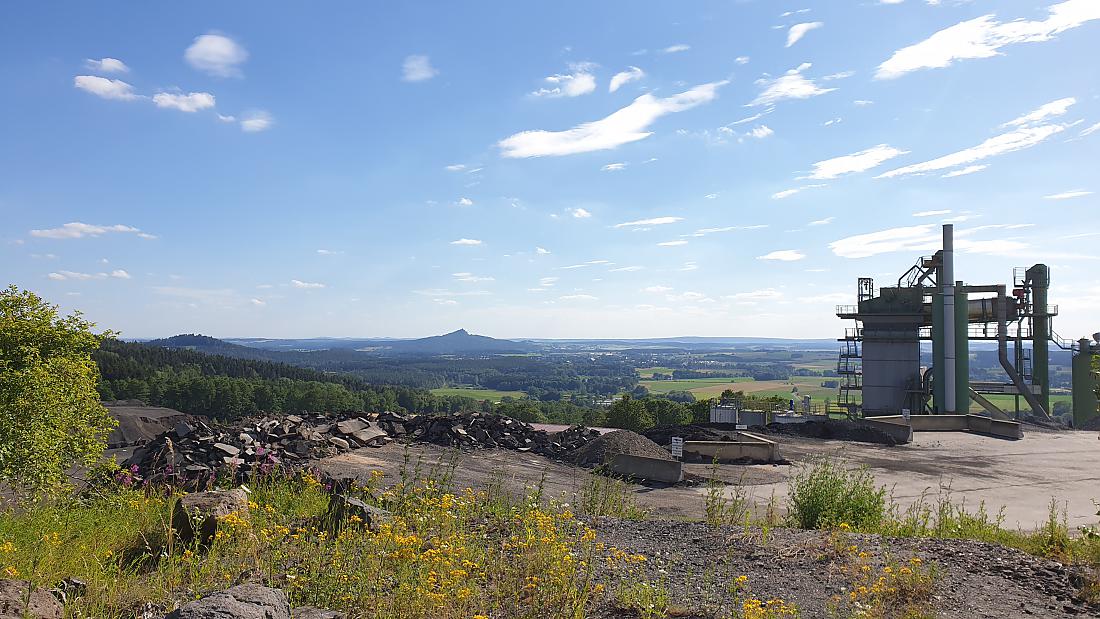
x,y
834,429
715,432
1091,424
600,450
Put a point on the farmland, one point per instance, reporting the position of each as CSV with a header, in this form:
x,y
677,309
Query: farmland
x,y
493,395
703,388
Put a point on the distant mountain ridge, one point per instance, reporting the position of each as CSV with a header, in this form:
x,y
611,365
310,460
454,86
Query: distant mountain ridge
x,y
459,342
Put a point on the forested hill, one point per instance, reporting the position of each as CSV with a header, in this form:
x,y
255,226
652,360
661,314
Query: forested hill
x,y
225,387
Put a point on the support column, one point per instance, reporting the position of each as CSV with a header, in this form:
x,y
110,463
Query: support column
x,y
950,382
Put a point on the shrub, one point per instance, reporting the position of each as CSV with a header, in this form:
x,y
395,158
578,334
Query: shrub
x,y
824,494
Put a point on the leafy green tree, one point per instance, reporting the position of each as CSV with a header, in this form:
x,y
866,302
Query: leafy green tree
x,y
630,414
50,415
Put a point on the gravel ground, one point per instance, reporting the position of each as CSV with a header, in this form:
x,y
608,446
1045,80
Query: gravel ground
x,y
601,449
974,579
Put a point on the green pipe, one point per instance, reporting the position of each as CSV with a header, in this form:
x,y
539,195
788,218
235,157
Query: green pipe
x,y
1085,404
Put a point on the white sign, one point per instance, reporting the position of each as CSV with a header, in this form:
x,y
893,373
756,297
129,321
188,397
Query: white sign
x,y
677,447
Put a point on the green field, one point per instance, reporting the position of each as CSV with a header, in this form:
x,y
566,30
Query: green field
x,y
480,394
704,388
1008,402
649,372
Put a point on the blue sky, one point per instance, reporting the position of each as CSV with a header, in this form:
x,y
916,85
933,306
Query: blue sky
x,y
612,169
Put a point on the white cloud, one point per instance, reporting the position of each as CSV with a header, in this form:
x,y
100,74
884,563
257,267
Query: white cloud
x,y
1019,139
792,85
627,269
465,202
216,54
579,82
863,102
655,221
672,243
120,274
227,118
690,266
656,289
471,278
932,213
970,169
1048,110
679,47
832,121
104,87
579,213
785,255
798,31
107,65
1068,194
706,231
1090,130
546,282
256,121
786,193
542,251
297,283
983,37
761,132
258,302
467,242
329,252
626,125
613,167
417,68
915,238
623,78
741,60
61,276
191,102
856,162
578,297
77,230
822,222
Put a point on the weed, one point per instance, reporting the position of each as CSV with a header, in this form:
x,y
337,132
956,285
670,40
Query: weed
x,y
604,495
824,494
720,509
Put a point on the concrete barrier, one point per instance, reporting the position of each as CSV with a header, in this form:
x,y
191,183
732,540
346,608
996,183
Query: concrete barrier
x,y
978,424
900,432
746,447
652,469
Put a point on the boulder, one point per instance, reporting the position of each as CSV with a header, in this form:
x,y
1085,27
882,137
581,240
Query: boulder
x,y
310,612
18,600
195,516
248,601
342,507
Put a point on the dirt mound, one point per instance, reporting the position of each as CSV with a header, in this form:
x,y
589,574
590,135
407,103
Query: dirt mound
x,y
1091,424
715,432
837,429
600,450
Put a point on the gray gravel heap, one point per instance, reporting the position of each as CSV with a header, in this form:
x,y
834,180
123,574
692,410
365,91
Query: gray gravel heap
x,y
601,450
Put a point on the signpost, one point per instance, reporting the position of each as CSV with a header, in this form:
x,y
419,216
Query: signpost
x,y
677,447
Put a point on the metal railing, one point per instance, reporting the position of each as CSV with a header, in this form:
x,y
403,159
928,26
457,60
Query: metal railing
x,y
847,310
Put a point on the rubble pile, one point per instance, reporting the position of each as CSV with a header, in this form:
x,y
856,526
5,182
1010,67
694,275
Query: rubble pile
x,y
486,430
195,451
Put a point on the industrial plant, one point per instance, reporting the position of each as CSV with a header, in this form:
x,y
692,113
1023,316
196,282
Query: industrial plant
x,y
880,357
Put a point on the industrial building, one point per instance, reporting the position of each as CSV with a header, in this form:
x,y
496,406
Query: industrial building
x,y
880,357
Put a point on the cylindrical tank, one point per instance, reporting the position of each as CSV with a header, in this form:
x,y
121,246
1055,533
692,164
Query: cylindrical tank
x,y
985,310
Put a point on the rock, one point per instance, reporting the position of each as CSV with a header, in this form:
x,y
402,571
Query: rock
x,y
19,601
195,516
339,442
351,426
248,601
342,507
310,612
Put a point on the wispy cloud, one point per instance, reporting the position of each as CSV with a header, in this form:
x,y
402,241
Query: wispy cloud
x,y
822,222
329,252
792,85
417,68
856,162
613,167
783,255
467,242
256,120
623,78
797,31
656,289
216,54
926,237
760,132
578,297
628,124
579,213
580,82
983,37
1066,195
542,251
1090,130
786,193
932,213
654,221
626,269
674,49
676,243
107,65
78,230
61,276
471,278
970,169
190,102
1043,112
297,283
765,294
